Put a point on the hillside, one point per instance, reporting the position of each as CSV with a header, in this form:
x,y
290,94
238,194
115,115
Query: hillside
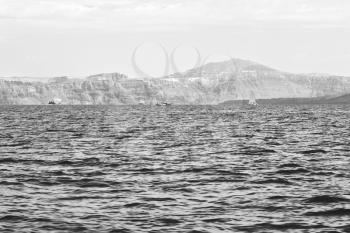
x,y
210,84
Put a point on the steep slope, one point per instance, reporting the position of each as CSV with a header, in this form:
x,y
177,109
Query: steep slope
x,y
210,84
237,79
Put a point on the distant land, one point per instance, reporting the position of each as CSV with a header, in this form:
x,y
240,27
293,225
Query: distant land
x,y
227,82
344,99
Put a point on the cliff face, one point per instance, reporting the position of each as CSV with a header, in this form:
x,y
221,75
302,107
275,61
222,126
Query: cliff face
x,y
213,83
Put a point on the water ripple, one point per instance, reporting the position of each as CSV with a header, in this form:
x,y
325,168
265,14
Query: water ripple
x,y
174,169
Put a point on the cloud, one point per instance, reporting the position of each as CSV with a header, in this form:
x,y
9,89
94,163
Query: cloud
x,y
176,13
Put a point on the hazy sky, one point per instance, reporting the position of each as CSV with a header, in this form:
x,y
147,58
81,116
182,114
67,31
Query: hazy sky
x,y
81,37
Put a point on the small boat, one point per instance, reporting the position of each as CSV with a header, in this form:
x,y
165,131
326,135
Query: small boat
x,y
141,102
253,103
252,100
163,104
52,102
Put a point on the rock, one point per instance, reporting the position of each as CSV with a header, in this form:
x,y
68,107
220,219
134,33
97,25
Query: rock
x,y
210,84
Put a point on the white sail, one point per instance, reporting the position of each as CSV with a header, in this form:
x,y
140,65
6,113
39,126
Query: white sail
x,y
252,100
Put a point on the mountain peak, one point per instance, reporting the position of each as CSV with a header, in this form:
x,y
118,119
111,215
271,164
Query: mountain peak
x,y
232,66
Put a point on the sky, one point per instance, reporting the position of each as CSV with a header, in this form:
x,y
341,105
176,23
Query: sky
x,y
45,38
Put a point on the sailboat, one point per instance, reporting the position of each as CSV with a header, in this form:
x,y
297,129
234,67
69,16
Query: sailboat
x,y
252,100
55,101
163,104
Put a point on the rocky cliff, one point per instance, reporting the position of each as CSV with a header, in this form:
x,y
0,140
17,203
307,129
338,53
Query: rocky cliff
x,y
210,84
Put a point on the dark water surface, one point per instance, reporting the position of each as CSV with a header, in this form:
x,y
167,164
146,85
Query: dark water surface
x,y
174,169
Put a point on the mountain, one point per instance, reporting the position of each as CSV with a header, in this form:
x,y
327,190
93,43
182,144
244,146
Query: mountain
x,y
212,83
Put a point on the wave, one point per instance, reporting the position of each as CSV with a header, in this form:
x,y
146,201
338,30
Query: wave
x,y
273,181
317,151
326,199
331,212
293,171
281,227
